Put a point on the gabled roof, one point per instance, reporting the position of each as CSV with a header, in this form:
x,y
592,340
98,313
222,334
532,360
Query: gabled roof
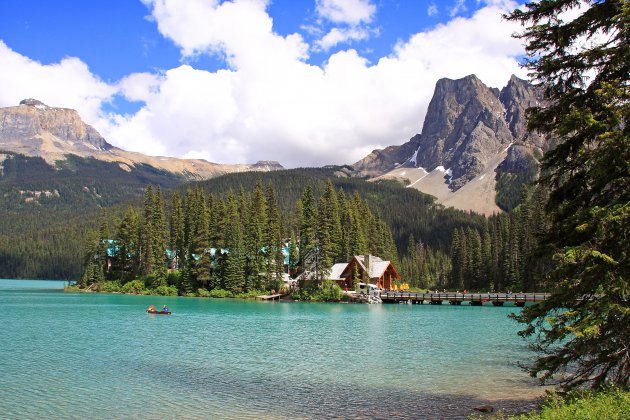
x,y
377,265
337,270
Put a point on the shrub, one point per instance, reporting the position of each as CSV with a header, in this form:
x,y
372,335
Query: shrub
x,y
201,292
165,291
611,404
173,278
329,292
134,287
220,293
110,287
251,294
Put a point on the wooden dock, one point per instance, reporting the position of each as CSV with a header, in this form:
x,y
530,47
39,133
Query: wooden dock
x,y
276,296
473,299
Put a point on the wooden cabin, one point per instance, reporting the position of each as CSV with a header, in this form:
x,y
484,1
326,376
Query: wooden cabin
x,y
361,268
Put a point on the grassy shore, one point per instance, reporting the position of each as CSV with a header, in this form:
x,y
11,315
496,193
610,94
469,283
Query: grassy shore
x,y
328,292
612,404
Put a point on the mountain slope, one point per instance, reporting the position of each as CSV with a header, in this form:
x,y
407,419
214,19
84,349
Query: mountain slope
x,y
468,132
58,173
35,129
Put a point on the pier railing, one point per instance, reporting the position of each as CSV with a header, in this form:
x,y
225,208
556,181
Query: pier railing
x,y
475,299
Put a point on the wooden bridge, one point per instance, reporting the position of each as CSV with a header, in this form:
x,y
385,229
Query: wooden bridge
x,y
474,299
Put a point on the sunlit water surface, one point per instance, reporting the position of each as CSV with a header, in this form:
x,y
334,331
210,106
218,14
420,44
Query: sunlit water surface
x,y
69,355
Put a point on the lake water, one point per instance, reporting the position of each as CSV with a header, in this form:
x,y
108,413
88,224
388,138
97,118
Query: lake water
x,y
70,355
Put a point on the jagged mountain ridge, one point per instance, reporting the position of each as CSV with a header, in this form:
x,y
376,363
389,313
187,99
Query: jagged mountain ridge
x,y
37,130
469,130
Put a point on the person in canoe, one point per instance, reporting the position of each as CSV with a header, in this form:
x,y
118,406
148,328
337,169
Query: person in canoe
x,y
165,308
151,309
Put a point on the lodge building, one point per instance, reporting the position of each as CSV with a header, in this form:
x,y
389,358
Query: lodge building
x,y
360,269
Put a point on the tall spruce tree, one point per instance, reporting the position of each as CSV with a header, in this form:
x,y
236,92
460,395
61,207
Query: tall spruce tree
x,y
127,238
307,218
579,52
273,238
93,266
146,234
177,244
159,237
234,262
255,225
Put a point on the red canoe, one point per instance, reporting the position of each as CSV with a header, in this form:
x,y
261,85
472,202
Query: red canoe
x,y
159,312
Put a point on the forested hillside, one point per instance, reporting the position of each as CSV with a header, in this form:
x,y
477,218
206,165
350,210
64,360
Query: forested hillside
x,y
431,246
46,210
236,242
437,247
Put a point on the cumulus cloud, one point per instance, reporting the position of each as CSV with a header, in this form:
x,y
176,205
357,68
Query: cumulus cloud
x,y
351,12
341,35
270,103
240,30
68,83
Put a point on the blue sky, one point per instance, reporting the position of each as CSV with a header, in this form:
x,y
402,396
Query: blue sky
x,y
305,82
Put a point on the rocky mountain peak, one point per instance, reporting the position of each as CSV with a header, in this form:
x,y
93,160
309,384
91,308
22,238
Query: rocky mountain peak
x,y
267,165
33,102
464,127
467,132
36,129
516,97
34,125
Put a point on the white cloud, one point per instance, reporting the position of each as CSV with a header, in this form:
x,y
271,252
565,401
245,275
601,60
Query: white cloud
x,y
432,10
341,35
285,109
458,7
68,84
351,12
270,103
241,30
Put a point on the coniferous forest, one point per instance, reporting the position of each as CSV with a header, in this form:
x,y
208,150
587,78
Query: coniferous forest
x,y
239,234
52,216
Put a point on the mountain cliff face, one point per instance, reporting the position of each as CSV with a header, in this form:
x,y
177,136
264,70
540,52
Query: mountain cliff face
x,y
37,130
468,131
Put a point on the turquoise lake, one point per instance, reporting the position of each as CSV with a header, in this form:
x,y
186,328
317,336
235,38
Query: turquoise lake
x,y
77,356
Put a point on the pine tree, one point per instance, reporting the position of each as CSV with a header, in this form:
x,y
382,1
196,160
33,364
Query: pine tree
x,y
255,226
293,253
358,228
486,259
177,244
158,237
307,219
234,262
104,244
273,239
333,220
127,238
583,63
458,257
475,257
325,245
344,251
147,234
93,267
